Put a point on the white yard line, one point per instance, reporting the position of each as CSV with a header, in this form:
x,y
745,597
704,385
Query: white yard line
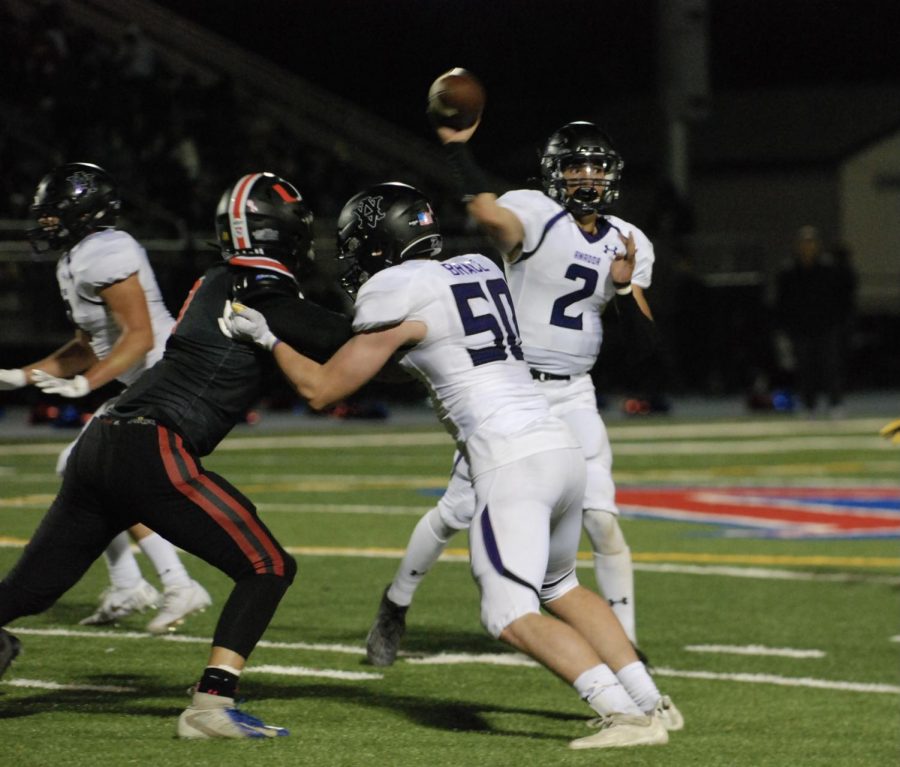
x,y
494,659
754,649
44,685
784,681
317,672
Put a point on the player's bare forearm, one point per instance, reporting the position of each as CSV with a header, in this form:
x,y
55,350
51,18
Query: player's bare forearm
x,y
70,359
130,349
353,365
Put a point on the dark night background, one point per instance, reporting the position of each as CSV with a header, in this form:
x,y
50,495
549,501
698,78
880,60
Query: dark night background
x,y
545,62
790,97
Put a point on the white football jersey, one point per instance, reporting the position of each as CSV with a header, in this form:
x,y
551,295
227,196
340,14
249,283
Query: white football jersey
x,y
98,261
470,359
561,283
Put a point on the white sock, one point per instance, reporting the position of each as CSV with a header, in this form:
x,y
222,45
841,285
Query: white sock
x,y
124,572
603,692
640,685
428,540
615,577
164,557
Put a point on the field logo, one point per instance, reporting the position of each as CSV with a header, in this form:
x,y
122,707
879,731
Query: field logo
x,y
774,512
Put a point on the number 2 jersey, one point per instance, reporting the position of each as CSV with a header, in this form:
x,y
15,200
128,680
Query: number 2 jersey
x,y
561,282
470,359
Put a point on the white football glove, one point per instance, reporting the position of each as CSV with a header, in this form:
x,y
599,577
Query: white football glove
x,y
65,387
245,324
13,379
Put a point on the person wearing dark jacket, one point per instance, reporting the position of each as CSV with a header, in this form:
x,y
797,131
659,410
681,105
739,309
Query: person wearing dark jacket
x,y
811,296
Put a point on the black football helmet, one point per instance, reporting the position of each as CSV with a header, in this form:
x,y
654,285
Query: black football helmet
x,y
382,226
580,143
263,221
70,202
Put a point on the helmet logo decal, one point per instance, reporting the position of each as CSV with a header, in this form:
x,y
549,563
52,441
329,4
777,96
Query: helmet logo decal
x,y
82,183
266,234
423,218
369,211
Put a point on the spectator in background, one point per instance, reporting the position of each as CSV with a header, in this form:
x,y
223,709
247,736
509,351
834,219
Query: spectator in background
x,y
811,304
846,308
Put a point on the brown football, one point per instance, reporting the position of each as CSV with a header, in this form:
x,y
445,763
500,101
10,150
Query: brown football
x,y
455,99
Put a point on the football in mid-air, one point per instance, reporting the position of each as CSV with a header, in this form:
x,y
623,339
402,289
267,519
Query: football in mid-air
x,y
455,99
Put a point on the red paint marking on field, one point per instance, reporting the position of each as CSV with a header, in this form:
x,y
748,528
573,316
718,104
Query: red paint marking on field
x,y
783,512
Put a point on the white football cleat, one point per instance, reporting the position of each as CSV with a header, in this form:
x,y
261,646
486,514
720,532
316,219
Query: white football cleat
x,y
621,730
211,716
668,714
178,602
116,603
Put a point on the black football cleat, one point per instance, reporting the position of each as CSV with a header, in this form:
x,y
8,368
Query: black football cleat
x,y
10,647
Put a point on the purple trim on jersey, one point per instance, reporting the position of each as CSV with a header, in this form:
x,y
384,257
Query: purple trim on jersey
x,y
456,463
547,227
603,227
493,552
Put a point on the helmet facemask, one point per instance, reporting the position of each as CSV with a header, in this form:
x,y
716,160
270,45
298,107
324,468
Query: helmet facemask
x,y
588,183
581,146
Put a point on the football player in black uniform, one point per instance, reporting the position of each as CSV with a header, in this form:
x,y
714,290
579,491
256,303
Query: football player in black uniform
x,y
140,462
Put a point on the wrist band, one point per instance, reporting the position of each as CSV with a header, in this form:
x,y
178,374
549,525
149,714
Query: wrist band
x,y
622,288
470,179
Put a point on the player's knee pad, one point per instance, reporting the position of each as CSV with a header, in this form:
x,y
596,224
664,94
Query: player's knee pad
x,y
555,587
602,527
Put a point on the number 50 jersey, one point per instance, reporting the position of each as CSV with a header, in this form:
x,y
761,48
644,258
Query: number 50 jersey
x,y
470,359
561,282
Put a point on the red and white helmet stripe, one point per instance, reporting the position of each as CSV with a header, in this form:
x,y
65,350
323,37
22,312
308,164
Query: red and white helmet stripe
x,y
237,210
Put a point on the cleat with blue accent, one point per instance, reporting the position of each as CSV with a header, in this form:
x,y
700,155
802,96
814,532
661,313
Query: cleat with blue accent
x,y
211,716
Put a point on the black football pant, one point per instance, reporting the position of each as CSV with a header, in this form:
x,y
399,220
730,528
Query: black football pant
x,y
124,472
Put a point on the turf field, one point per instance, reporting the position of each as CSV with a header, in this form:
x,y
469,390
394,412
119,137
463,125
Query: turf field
x,y
767,584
